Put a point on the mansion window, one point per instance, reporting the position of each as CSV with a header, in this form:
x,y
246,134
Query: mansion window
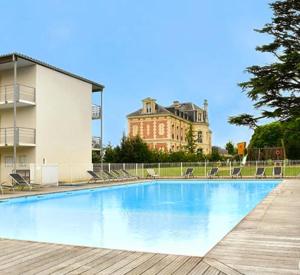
x,y
200,138
148,108
161,129
199,117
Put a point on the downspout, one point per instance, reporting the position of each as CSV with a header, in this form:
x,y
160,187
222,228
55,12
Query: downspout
x,y
15,112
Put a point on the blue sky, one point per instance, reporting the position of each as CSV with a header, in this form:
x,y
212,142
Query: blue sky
x,y
170,50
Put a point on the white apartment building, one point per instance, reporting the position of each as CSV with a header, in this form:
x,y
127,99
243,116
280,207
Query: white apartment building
x,y
46,118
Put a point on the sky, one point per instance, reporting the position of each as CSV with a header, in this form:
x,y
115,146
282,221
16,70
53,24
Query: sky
x,y
165,49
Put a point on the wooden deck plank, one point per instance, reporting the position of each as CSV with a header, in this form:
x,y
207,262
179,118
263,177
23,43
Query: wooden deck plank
x,y
85,267
39,260
76,261
160,265
104,265
220,266
200,268
133,265
172,267
49,261
212,271
121,263
27,256
146,265
188,265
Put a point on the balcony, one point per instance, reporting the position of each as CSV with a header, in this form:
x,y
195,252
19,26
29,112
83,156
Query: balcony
x,y
96,143
96,111
25,96
24,136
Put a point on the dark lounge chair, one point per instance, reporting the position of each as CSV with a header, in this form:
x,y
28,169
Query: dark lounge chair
x,y
128,174
118,174
213,172
189,172
110,176
236,172
18,180
277,171
260,172
94,177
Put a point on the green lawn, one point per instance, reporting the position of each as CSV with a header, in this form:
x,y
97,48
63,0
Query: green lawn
x,y
247,171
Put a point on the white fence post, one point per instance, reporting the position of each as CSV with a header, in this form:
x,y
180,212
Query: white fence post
x,y
205,173
229,168
159,169
109,167
142,170
124,166
181,172
136,169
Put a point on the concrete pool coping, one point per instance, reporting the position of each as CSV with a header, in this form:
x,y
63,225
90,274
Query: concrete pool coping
x,y
266,241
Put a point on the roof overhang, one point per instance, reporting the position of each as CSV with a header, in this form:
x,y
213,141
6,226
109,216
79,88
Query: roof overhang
x,y
24,60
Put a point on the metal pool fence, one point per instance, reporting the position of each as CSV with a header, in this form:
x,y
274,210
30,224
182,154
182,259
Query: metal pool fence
x,y
77,172
201,169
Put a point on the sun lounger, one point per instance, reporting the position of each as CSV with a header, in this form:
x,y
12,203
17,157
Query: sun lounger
x,y
94,177
5,185
118,174
213,172
128,174
110,176
151,173
260,172
18,180
236,172
189,172
277,171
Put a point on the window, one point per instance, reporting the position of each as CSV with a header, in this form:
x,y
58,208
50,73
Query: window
x,y
135,130
22,160
148,129
199,117
148,108
161,129
200,139
8,160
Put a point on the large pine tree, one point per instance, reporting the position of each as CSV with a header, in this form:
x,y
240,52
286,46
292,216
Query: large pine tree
x,y
275,88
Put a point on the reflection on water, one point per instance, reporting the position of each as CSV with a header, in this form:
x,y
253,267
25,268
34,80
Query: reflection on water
x,y
169,217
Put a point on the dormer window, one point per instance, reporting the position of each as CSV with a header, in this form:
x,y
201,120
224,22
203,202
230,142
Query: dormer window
x,y
148,108
199,117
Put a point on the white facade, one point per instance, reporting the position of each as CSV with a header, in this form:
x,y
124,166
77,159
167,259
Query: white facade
x,y
53,117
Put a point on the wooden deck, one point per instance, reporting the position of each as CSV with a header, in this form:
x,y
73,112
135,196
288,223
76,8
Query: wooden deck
x,y
267,241
22,257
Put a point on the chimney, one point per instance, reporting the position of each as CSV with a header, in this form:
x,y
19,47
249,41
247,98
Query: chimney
x,y
205,107
176,104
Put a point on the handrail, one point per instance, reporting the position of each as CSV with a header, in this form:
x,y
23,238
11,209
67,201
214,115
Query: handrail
x,y
96,111
23,135
96,142
24,93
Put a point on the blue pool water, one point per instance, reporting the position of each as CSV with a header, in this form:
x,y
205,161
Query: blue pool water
x,y
178,217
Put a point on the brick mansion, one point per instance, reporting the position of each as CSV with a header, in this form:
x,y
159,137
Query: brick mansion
x,y
165,128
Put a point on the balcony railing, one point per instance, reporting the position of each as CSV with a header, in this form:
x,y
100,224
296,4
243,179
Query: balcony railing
x,y
96,143
25,94
24,136
96,111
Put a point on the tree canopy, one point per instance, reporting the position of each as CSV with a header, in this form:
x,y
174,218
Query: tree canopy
x,y
277,134
275,88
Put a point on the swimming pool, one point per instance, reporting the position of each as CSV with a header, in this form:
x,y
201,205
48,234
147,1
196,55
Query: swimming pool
x,y
176,217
